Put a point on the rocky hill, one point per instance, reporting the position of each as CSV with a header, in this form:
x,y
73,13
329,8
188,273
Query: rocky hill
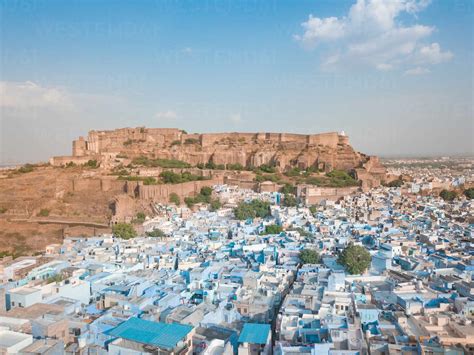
x,y
325,152
114,176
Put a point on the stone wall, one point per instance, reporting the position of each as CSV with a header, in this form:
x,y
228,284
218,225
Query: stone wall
x,y
161,193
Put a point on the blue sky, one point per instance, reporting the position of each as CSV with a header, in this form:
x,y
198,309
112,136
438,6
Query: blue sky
x,y
396,75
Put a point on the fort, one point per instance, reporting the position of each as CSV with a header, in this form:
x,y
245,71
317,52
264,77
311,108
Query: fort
x,y
325,151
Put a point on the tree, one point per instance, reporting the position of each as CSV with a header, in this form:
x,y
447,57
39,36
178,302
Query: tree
x,y
124,231
206,191
447,195
139,218
469,193
215,204
355,258
395,183
174,198
155,233
309,256
287,189
289,200
253,209
273,229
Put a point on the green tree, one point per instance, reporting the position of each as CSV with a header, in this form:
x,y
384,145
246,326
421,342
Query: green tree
x,y
309,256
215,204
288,189
447,195
206,191
273,229
189,201
289,200
355,258
124,231
395,183
155,233
139,218
174,198
253,209
469,193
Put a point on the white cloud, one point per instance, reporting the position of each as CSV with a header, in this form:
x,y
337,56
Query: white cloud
x,y
417,71
318,30
236,118
166,115
187,50
29,95
371,34
432,54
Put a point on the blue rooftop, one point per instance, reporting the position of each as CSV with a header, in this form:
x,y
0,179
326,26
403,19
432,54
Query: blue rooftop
x,y
254,333
158,334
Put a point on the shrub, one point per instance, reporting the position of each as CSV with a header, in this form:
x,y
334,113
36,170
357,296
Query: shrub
x,y
268,177
266,168
92,164
447,195
395,183
293,172
139,218
191,141
235,167
355,258
189,201
309,256
156,233
206,191
469,193
174,198
124,231
288,189
44,212
70,164
289,200
215,205
3,210
162,163
27,168
169,177
176,142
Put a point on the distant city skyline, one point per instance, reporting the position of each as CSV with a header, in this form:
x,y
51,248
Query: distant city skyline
x,y
396,76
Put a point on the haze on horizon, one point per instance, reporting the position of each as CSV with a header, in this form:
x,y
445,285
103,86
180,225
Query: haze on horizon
x,y
395,75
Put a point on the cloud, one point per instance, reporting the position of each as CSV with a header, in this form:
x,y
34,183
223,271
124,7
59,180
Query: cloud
x,y
417,71
432,54
372,34
29,95
166,115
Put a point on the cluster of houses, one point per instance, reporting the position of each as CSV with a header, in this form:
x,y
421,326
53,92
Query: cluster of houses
x,y
216,285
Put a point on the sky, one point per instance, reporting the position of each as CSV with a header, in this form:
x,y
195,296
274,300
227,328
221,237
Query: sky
x,y
395,75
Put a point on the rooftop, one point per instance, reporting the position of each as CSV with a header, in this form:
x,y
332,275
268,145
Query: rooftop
x,y
158,334
254,333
